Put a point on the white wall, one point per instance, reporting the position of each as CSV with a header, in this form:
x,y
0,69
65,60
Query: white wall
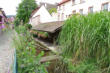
x,y
97,5
69,8
55,16
44,17
66,10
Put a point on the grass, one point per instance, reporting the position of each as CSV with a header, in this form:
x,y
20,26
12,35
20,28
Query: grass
x,y
85,38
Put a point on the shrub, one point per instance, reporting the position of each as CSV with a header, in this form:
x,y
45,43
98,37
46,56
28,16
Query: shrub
x,y
28,26
27,60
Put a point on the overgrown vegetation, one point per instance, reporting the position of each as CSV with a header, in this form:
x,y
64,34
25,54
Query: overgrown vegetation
x,y
52,10
24,11
28,61
40,33
85,43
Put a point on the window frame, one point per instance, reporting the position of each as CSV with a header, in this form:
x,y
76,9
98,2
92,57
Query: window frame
x,y
102,6
90,8
74,12
63,7
73,2
82,11
62,16
82,1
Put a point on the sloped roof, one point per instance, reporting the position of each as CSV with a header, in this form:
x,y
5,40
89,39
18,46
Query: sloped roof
x,y
48,6
63,1
50,27
34,11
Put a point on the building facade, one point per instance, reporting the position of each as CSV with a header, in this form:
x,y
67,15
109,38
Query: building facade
x,y
3,18
68,7
40,15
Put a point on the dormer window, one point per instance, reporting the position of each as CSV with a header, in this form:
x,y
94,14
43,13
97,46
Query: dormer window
x,y
105,6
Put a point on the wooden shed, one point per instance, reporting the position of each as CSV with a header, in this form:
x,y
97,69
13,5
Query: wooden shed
x,y
52,28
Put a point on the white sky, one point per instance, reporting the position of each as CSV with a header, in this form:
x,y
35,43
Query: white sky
x,y
9,6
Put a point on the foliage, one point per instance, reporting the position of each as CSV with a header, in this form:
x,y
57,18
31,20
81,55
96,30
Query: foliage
x,y
16,21
52,10
28,26
42,34
24,10
27,60
83,67
87,37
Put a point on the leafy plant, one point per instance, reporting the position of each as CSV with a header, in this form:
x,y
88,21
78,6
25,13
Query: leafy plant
x,y
27,60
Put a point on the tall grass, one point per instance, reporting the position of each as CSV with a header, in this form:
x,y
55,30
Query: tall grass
x,y
87,38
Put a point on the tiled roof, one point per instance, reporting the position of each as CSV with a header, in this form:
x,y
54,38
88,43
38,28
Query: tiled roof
x,y
63,1
50,27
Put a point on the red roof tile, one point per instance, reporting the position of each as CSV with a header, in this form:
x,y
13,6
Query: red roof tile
x,y
34,11
63,1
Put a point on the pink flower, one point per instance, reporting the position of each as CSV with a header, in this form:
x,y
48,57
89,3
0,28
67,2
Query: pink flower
x,y
3,26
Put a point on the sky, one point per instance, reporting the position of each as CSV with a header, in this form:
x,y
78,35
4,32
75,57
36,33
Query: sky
x,y
9,6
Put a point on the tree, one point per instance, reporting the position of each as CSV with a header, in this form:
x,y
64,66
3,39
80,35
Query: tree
x,y
25,9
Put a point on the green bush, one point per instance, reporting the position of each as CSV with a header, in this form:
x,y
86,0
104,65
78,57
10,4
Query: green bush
x,y
87,37
28,26
27,60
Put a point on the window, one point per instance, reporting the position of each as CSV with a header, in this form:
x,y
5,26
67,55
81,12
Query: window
x,y
66,16
58,17
73,2
81,11
105,6
70,16
63,7
59,7
74,11
90,10
62,18
82,1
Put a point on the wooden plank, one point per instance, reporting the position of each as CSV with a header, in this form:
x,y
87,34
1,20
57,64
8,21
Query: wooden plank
x,y
49,58
46,45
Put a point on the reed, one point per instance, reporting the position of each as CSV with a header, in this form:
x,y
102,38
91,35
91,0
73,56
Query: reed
x,y
87,38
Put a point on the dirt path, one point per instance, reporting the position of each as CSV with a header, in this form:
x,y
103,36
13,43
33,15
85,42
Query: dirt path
x,y
6,52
